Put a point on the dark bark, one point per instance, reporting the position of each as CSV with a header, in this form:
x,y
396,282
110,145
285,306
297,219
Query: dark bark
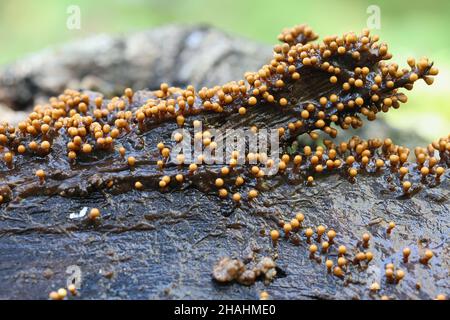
x,y
154,245
150,244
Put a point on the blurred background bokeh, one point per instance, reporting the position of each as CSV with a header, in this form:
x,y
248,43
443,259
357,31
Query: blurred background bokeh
x,y
411,28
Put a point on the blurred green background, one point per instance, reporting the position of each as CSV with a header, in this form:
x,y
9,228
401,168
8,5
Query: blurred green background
x,y
411,28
